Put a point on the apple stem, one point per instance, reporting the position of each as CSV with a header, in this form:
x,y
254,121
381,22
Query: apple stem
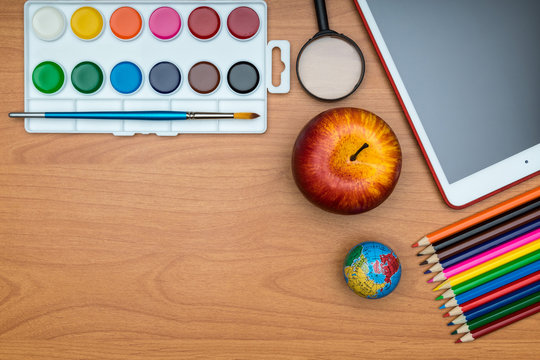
x,y
355,155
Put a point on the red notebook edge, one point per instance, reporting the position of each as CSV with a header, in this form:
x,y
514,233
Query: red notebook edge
x,y
416,134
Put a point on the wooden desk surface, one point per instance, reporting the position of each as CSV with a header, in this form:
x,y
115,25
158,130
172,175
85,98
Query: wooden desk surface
x,y
202,247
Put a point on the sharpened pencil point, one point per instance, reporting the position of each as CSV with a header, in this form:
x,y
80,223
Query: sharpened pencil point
x,y
415,245
458,341
440,297
446,315
451,323
430,280
428,250
427,272
419,254
423,241
424,263
441,286
454,332
442,306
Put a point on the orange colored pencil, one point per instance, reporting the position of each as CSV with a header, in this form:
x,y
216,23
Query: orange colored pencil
x,y
478,217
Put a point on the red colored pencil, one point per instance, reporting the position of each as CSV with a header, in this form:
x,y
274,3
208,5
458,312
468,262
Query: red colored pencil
x,y
492,295
500,323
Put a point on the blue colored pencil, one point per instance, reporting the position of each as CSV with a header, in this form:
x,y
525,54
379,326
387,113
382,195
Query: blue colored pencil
x,y
503,238
491,285
493,305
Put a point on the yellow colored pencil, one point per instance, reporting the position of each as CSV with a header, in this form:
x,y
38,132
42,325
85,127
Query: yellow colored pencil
x,y
489,265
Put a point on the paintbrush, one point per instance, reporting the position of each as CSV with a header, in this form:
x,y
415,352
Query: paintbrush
x,y
136,115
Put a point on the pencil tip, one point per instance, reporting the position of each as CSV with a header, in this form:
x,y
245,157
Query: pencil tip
x,y
458,341
454,332
415,245
419,254
440,297
424,263
430,280
446,315
451,323
442,306
439,287
427,272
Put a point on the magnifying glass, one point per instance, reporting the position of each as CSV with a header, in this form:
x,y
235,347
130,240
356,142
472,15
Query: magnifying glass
x,y
330,66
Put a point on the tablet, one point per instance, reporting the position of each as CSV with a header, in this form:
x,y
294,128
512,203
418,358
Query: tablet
x,y
467,74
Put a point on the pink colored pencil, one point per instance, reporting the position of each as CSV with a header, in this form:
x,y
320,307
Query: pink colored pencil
x,y
488,255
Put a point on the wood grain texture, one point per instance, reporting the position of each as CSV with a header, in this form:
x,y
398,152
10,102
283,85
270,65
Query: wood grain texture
x,y
201,246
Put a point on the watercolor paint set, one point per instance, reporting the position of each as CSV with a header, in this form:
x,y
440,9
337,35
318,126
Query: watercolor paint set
x,y
210,56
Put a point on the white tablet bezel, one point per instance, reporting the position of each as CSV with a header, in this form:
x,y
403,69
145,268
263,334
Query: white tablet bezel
x,y
472,188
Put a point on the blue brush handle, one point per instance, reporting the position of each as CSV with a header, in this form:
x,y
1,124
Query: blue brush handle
x,y
120,115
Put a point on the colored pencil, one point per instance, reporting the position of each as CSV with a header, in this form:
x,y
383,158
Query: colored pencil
x,y
479,259
494,274
503,238
463,304
483,226
499,313
494,264
478,217
500,323
493,305
486,240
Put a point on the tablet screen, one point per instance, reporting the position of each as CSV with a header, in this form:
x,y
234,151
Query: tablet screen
x,y
472,71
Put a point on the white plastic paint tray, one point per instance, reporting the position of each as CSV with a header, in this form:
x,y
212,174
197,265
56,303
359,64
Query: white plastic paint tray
x,y
224,50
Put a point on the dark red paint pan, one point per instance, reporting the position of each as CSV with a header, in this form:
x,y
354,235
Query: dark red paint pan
x,y
243,23
204,23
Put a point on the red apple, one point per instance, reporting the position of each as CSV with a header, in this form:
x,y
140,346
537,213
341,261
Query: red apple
x,y
346,160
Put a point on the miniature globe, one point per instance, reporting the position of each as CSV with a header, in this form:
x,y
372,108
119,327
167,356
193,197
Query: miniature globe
x,y
372,270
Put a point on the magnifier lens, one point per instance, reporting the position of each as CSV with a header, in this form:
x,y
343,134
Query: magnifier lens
x,y
330,67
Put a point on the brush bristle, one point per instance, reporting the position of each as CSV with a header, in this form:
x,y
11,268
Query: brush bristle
x,y
246,116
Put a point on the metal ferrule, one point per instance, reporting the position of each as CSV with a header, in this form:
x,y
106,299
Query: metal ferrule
x,y
208,115
27,115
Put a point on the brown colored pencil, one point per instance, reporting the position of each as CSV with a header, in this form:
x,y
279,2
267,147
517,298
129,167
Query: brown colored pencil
x,y
483,226
478,218
484,237
500,323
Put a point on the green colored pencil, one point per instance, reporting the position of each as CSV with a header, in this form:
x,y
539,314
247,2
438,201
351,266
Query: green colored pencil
x,y
495,273
498,313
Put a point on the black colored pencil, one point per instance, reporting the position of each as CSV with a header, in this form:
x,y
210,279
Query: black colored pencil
x,y
483,226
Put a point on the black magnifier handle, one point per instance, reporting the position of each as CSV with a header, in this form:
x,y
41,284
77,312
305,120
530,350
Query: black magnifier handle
x,y
322,18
